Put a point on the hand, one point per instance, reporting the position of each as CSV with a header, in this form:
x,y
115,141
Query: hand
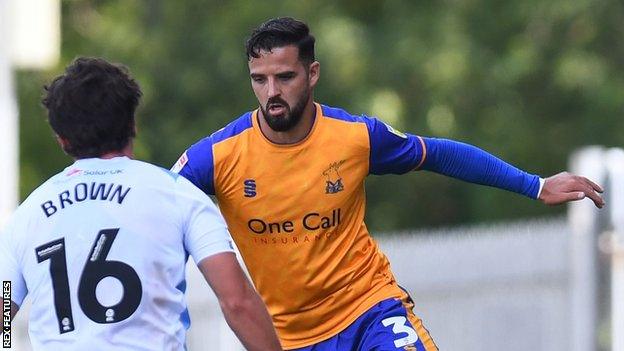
x,y
565,187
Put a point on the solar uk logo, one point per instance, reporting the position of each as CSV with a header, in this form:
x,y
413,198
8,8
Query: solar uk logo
x,y
6,314
73,172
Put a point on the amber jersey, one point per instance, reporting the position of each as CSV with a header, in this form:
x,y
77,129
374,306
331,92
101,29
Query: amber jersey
x,y
296,213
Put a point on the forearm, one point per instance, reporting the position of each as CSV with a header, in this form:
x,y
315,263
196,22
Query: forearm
x,y
471,164
250,321
243,309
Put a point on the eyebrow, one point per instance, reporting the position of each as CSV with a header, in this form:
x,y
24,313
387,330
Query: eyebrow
x,y
286,74
280,74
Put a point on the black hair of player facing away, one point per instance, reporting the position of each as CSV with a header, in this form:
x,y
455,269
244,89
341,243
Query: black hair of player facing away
x,y
280,32
92,107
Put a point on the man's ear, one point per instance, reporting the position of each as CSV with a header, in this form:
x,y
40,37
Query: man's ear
x,y
314,72
64,143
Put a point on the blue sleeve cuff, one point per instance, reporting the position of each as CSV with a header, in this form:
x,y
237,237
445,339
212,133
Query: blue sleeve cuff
x,y
471,164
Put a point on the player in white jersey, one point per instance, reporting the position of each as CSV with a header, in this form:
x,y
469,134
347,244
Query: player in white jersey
x,y
101,247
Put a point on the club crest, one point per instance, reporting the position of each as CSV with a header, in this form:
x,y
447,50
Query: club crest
x,y
333,181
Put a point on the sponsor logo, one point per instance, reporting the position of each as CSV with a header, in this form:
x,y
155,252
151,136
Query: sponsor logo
x,y
333,180
76,171
182,161
311,222
312,227
395,132
250,188
6,314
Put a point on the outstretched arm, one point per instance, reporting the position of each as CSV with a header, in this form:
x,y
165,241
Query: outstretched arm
x,y
469,163
242,307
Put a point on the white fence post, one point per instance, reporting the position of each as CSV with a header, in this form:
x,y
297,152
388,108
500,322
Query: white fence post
x,y
615,166
8,120
583,220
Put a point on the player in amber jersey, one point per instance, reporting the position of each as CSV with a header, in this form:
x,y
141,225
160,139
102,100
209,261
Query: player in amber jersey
x,y
289,178
102,246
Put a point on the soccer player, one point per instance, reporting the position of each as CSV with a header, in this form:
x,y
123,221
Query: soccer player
x,y
289,179
101,247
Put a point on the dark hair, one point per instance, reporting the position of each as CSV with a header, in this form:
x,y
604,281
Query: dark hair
x,y
92,106
280,32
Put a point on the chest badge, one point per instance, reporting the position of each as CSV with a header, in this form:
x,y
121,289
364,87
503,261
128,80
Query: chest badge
x,y
250,188
333,180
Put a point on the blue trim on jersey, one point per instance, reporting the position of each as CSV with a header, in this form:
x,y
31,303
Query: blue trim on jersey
x,y
199,168
233,128
390,151
471,164
340,114
185,318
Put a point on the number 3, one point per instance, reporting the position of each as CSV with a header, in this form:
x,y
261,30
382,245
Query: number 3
x,y
399,326
96,269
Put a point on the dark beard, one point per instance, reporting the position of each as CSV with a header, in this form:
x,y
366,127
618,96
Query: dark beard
x,y
290,119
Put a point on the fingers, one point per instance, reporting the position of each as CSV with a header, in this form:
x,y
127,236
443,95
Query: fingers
x,y
597,199
575,196
564,187
590,190
565,197
594,186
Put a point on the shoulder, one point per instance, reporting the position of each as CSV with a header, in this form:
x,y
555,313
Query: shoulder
x,y
29,209
337,114
197,163
233,129
342,115
170,185
145,171
45,190
202,150
375,128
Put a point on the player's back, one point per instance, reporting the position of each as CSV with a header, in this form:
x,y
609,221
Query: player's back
x,y
101,247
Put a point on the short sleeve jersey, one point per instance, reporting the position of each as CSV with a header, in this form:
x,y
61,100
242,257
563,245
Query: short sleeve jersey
x,y
101,249
296,212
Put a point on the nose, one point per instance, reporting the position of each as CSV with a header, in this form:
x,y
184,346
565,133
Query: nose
x,y
274,89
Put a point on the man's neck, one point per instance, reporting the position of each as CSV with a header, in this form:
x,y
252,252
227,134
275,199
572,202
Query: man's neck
x,y
126,151
296,134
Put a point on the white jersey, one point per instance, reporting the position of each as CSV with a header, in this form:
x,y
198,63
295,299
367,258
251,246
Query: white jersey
x,y
101,249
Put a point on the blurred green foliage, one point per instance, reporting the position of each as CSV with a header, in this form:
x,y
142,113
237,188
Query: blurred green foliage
x,y
528,80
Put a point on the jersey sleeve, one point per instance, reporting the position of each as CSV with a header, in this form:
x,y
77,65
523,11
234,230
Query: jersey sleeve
x,y
205,231
392,151
197,165
471,164
9,267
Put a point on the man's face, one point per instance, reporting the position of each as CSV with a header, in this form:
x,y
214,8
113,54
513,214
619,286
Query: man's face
x,y
283,85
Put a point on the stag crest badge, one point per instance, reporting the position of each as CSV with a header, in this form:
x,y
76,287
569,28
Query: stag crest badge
x,y
333,180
